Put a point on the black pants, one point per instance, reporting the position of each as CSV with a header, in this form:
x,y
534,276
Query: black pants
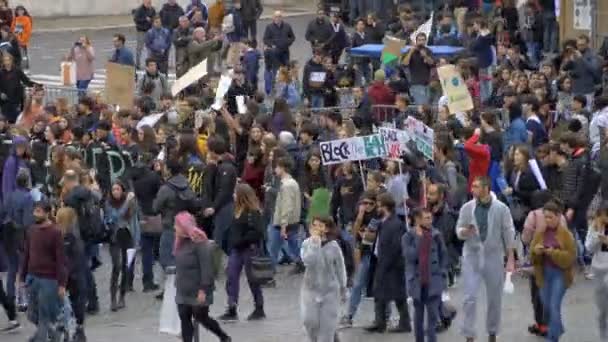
x,y
119,268
7,303
380,312
250,29
76,287
201,315
537,305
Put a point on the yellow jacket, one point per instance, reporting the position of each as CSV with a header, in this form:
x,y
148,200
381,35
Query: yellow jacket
x,y
564,257
201,143
216,15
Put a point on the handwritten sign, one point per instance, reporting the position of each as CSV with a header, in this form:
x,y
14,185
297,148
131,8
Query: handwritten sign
x,y
423,135
356,148
395,141
459,98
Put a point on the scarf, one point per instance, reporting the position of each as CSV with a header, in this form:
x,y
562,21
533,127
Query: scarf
x,y
185,228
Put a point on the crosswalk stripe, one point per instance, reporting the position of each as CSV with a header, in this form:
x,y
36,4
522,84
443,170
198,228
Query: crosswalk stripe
x,y
98,81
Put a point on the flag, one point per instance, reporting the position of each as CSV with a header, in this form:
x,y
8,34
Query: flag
x,y
424,28
392,49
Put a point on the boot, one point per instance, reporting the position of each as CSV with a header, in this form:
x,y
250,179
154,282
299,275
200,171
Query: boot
x,y
492,338
298,269
79,335
113,303
230,315
257,314
121,302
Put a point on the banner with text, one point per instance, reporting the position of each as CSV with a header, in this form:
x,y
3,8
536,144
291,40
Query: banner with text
x,y
423,135
351,149
395,141
454,88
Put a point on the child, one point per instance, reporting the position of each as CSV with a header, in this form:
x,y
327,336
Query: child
x,y
251,64
22,28
324,280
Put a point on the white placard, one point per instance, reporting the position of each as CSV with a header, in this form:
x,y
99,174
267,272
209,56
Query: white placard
x,y
194,74
222,88
318,77
582,15
356,148
150,120
240,103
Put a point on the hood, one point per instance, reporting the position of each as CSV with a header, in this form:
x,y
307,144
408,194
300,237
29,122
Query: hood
x,y
179,182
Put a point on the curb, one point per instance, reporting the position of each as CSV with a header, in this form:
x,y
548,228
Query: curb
x,y
122,26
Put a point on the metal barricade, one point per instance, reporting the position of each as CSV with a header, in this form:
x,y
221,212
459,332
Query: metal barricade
x,y
52,93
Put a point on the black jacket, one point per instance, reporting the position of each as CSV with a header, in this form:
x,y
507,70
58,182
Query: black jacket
x,y
525,187
319,32
246,230
234,91
140,17
389,278
279,36
375,34
338,40
356,41
251,10
169,15
347,203
146,184
313,88
219,183
12,84
574,179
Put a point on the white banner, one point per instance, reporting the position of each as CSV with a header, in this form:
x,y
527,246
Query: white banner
x,y
395,141
356,148
423,135
193,75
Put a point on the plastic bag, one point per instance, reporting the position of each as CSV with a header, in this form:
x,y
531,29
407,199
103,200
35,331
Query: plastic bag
x,y
509,287
169,318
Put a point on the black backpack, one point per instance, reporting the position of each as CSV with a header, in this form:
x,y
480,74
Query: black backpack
x,y
186,200
92,227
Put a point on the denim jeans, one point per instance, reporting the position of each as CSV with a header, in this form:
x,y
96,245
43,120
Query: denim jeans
x,y
12,257
552,294
222,220
359,284
485,84
82,86
45,302
90,250
533,52
147,258
431,304
550,32
167,238
317,101
420,94
276,241
363,73
238,260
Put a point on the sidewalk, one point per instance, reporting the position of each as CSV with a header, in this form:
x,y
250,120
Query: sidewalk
x,y
63,24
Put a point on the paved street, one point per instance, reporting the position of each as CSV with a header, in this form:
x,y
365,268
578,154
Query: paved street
x,y
139,322
49,48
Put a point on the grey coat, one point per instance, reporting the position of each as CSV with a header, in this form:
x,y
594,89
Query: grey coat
x,y
164,203
194,272
325,271
438,260
389,278
501,231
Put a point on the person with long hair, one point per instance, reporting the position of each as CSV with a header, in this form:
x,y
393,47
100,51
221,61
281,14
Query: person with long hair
x,y
521,183
146,138
281,119
256,135
245,241
194,278
553,255
118,212
67,221
597,244
324,284
83,54
12,88
22,28
314,177
253,172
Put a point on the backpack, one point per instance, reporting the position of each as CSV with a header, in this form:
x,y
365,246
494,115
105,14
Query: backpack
x,y
185,200
92,227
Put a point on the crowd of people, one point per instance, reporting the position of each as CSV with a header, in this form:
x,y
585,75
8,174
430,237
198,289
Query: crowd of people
x,y
515,185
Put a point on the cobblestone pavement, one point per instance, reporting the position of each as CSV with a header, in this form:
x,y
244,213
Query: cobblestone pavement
x,y
139,321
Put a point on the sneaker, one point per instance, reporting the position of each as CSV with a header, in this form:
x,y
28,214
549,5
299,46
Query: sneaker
x,y
93,308
589,273
160,296
298,269
230,315
22,307
538,330
11,327
346,321
151,287
257,314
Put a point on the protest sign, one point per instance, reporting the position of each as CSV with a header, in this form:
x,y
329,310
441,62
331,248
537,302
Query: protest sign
x,y
222,89
423,135
68,74
120,85
150,120
193,75
454,88
395,141
356,148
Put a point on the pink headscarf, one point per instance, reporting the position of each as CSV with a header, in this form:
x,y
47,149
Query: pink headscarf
x,y
185,228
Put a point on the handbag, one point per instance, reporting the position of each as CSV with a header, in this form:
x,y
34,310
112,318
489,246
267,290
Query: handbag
x,y
519,211
151,224
262,269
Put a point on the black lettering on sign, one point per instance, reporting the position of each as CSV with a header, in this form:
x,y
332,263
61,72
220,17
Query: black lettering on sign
x,y
335,153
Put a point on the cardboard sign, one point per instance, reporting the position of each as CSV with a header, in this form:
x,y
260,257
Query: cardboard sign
x,y
356,148
120,85
68,74
423,135
454,88
395,141
193,75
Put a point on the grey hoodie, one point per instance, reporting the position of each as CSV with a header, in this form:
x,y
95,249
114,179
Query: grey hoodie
x,y
599,262
325,275
164,203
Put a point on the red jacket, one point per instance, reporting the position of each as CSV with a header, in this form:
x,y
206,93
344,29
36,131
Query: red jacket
x,y
254,176
479,158
380,94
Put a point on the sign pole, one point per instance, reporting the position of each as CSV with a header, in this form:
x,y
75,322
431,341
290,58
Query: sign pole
x,y
362,175
423,197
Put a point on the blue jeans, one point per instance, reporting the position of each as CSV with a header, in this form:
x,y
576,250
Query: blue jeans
x,y
363,73
420,94
12,257
552,293
431,304
147,258
550,31
221,223
359,284
317,101
45,302
276,241
90,250
82,86
533,52
485,84
167,238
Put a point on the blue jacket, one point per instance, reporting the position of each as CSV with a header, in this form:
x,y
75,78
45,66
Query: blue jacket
x,y
197,4
19,208
438,262
12,166
123,56
516,133
238,33
251,63
482,48
539,133
158,40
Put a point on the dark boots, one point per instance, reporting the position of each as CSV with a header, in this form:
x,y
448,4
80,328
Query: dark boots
x,y
231,314
257,314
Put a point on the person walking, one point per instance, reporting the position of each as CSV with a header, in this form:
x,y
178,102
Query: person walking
x,y
142,16
12,88
118,211
426,261
245,239
22,28
486,226
83,54
195,278
553,255
389,278
251,10
324,284
597,244
278,37
43,273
